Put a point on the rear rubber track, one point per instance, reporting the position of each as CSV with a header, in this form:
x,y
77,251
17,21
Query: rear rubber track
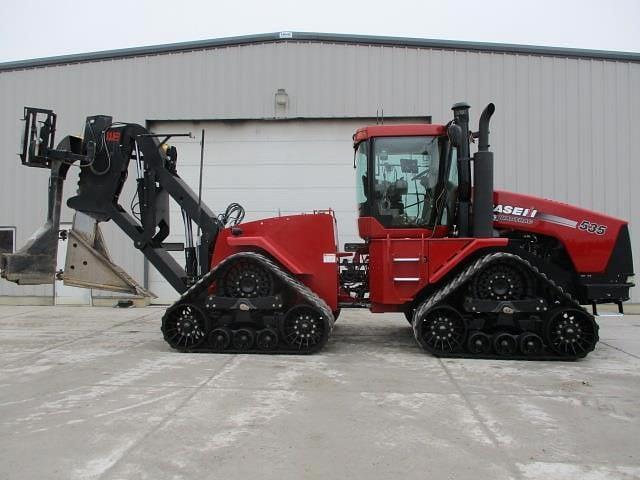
x,y
197,294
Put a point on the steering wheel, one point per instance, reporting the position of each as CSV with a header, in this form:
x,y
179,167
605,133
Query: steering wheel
x,y
420,175
427,206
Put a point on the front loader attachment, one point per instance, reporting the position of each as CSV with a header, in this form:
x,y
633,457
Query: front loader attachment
x,y
103,155
35,262
88,263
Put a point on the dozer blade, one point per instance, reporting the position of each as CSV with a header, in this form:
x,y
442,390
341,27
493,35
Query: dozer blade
x,y
35,263
89,265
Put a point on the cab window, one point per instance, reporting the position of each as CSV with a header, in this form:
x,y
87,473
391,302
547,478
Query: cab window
x,y
405,176
361,173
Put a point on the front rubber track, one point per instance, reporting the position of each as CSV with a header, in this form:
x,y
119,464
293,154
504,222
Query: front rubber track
x,y
448,298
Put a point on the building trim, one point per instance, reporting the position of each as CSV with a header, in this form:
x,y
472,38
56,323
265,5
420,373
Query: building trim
x,y
278,37
420,119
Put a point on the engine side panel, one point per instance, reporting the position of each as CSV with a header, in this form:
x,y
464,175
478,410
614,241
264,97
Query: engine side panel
x,y
305,245
589,237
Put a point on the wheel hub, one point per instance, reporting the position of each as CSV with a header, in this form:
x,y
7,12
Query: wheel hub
x,y
568,331
505,344
243,339
501,286
246,279
500,282
305,326
442,328
531,344
248,284
479,343
267,339
220,338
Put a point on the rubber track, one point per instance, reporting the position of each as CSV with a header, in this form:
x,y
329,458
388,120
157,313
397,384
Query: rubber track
x,y
202,285
467,274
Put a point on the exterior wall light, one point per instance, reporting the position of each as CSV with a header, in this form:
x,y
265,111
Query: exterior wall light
x,y
282,97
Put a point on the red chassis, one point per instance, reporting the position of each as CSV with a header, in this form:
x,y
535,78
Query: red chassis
x,y
402,263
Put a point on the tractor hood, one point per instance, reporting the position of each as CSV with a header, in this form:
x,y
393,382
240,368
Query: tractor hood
x,y
589,237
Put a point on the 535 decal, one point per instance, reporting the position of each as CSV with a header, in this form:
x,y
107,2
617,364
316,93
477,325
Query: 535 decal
x,y
590,227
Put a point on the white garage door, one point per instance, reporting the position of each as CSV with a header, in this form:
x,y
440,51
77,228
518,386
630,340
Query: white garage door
x,y
271,168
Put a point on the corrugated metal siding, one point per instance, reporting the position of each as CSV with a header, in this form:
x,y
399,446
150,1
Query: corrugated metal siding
x,y
562,128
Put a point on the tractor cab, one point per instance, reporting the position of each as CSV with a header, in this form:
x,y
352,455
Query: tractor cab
x,y
406,177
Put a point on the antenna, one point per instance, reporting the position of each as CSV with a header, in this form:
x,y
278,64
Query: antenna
x,y
200,179
201,168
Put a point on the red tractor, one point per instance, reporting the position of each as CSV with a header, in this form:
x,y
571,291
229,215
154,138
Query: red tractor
x,y
477,272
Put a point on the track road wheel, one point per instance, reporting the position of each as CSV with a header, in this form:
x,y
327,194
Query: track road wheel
x,y
220,339
183,326
441,330
505,344
530,344
267,339
246,279
304,327
243,339
571,332
501,281
479,343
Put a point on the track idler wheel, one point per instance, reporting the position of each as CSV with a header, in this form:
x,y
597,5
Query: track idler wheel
x,y
183,326
267,339
505,344
571,332
220,339
305,327
441,330
530,344
479,343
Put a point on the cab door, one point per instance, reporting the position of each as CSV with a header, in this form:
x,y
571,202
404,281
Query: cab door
x,y
398,270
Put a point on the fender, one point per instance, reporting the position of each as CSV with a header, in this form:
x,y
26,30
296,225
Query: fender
x,y
266,245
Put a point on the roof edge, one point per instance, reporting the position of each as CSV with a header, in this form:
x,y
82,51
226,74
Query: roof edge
x,y
320,37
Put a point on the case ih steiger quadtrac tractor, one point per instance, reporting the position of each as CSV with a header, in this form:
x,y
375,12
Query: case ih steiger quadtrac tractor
x,y
477,272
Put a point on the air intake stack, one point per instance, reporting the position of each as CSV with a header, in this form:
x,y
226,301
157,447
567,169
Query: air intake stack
x,y
483,179
461,120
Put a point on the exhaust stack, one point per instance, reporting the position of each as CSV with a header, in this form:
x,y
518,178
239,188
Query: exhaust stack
x,y
483,179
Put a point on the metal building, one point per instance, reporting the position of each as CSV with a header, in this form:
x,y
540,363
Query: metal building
x,y
279,111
